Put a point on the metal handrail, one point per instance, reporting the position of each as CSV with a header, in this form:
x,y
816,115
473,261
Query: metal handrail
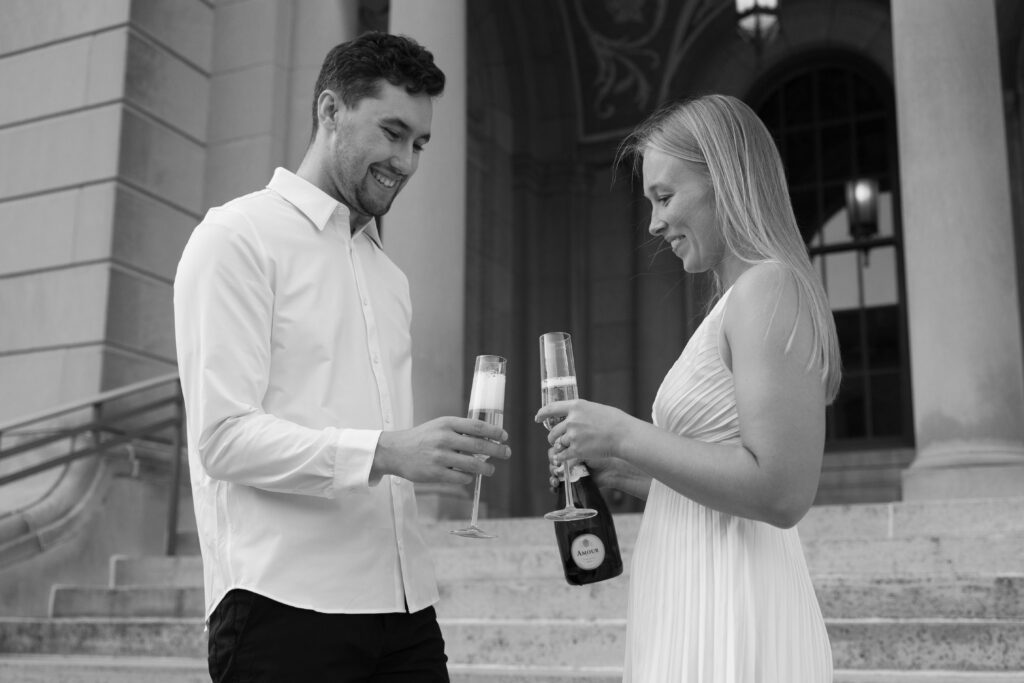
x,y
82,404
108,431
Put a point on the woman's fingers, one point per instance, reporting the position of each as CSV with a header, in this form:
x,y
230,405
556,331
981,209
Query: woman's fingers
x,y
557,409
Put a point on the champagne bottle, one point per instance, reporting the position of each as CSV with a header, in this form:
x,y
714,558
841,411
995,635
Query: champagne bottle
x,y
589,547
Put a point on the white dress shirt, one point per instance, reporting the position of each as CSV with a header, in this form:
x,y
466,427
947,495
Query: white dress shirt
x,y
294,353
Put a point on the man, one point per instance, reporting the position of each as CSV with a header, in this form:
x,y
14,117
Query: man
x,y
293,340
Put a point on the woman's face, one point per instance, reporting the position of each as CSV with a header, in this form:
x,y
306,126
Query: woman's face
x,y
683,211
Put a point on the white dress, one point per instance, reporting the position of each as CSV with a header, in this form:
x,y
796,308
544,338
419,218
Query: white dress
x,y
715,598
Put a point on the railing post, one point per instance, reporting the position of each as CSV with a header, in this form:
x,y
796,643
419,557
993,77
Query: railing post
x,y
172,504
97,416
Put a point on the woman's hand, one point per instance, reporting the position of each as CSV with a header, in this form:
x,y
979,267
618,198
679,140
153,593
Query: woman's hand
x,y
610,473
586,431
592,433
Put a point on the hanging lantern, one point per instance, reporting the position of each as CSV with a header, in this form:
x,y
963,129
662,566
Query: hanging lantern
x,y
862,207
758,21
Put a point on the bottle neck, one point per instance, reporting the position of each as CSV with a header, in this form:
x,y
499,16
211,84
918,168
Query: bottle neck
x,y
577,472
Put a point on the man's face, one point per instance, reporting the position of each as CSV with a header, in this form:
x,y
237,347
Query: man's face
x,y
376,147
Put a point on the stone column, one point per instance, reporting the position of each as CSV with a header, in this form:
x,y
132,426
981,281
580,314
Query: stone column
x,y
317,27
425,231
266,58
965,338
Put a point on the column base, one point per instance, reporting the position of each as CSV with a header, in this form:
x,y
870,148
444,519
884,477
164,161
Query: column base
x,y
445,501
966,469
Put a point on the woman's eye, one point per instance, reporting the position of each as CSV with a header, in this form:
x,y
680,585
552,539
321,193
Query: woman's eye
x,y
664,200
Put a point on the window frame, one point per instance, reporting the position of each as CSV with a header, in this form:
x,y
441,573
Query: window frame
x,y
809,66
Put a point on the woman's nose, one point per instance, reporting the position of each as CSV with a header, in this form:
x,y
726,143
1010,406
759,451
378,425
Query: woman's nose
x,y
658,226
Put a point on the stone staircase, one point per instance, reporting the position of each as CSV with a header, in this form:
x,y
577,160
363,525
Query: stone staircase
x,y
912,593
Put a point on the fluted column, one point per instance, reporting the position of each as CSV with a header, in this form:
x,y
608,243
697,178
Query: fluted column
x,y
317,27
425,231
966,359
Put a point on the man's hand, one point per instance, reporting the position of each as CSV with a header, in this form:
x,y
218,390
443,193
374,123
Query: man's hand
x,y
440,451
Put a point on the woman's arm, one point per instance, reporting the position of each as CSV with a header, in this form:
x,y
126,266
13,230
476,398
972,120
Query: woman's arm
x,y
772,475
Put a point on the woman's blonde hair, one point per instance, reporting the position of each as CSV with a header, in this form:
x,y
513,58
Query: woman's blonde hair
x,y
723,137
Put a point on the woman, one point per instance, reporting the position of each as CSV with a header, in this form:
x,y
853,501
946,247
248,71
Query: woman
x,y
719,589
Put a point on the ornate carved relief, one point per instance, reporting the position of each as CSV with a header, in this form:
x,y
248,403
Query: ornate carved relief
x,y
625,53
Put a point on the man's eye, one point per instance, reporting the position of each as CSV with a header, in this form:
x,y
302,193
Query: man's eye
x,y
418,147
391,135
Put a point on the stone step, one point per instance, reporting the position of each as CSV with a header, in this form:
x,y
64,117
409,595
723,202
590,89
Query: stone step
x,y
461,673
180,571
527,674
187,543
856,643
921,597
890,676
127,602
524,674
966,517
899,557
141,637
912,556
947,644
97,669
977,597
546,675
909,644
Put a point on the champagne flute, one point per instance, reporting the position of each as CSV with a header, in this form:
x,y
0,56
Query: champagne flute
x,y
487,403
558,383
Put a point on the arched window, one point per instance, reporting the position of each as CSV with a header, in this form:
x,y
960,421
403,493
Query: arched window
x,y
834,120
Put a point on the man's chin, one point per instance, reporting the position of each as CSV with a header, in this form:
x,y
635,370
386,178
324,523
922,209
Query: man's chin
x,y
379,210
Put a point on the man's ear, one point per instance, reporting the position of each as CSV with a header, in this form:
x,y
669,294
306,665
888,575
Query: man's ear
x,y
327,105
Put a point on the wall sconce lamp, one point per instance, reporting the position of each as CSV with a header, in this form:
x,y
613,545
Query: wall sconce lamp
x,y
757,21
862,208
862,211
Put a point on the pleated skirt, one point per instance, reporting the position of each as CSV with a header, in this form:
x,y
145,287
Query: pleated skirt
x,y
715,598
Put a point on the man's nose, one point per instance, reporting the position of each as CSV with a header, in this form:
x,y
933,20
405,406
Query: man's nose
x,y
404,160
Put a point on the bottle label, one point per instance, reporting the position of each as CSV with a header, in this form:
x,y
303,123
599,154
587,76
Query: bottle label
x,y
587,551
578,471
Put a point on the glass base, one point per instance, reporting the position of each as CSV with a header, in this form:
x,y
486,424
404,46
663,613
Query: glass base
x,y
570,514
471,531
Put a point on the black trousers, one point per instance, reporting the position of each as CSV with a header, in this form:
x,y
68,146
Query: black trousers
x,y
254,639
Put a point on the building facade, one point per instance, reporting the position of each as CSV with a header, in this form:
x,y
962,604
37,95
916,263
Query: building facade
x,y
126,119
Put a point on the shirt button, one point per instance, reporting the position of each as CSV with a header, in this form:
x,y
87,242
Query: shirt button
x,y
366,302
376,360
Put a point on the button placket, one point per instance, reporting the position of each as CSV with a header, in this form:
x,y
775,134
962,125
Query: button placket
x,y
372,339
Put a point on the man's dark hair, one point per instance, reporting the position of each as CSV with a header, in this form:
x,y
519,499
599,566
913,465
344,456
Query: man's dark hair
x,y
354,69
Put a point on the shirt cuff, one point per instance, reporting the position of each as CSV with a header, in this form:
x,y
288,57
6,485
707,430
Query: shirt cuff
x,y
354,458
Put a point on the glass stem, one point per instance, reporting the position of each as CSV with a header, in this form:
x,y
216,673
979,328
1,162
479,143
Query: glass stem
x,y
569,502
476,500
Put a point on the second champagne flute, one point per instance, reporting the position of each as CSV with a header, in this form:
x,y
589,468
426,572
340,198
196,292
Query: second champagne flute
x,y
558,383
486,403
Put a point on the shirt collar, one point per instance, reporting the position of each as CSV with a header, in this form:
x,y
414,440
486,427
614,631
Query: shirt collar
x,y
317,205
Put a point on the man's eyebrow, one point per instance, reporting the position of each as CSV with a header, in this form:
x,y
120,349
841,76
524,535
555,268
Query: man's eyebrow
x,y
397,122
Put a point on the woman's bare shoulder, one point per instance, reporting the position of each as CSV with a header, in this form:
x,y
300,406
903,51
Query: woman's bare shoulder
x,y
762,283
765,300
